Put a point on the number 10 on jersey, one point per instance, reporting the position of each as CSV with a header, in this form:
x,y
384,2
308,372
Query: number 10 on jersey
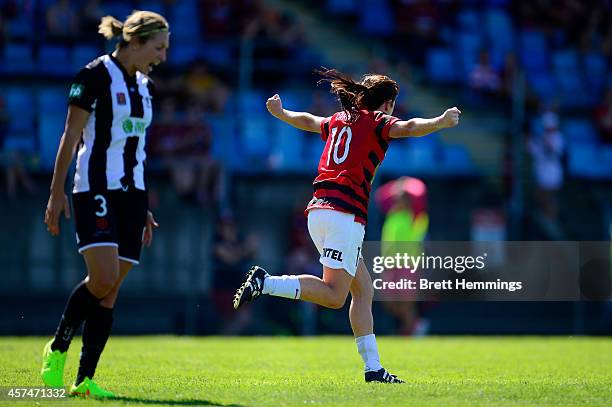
x,y
345,131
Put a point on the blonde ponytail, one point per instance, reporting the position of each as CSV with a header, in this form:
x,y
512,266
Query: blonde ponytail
x,y
110,27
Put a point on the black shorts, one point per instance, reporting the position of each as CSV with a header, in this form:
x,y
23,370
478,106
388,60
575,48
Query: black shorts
x,y
111,218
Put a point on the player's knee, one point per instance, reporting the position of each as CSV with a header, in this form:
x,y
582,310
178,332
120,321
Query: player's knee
x,y
102,284
336,300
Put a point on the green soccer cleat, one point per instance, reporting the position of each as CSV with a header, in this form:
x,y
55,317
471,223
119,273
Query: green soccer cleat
x,y
52,371
89,388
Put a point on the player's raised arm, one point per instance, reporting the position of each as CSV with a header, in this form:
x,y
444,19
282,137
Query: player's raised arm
x,y
302,120
421,127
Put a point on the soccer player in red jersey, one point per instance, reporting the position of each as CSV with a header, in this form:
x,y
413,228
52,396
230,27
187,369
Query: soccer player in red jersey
x,y
356,140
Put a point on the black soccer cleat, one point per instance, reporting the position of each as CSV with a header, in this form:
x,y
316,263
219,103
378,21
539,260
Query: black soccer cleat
x,y
382,376
252,286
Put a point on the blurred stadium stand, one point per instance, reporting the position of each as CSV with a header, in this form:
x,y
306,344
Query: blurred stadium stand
x,y
430,47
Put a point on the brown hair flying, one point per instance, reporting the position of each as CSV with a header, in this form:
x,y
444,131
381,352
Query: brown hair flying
x,y
369,94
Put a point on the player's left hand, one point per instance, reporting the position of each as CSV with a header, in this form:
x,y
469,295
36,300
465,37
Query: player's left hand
x,y
147,237
450,118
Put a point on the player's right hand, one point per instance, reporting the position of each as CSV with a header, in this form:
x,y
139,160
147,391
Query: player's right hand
x,y
275,105
450,118
57,203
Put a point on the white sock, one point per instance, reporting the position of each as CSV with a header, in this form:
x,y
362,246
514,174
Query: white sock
x,y
366,345
282,286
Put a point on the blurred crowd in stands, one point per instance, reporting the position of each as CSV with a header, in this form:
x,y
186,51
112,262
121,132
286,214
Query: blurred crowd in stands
x,y
206,95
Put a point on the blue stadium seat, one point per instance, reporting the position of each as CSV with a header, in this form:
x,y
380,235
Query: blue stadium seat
x,y
21,27
587,161
255,143
376,18
223,138
20,106
571,89
468,46
343,7
543,86
565,62
50,128
595,70
579,131
420,158
457,160
289,151
217,53
82,55
499,30
251,102
184,52
52,60
184,21
52,100
469,21
441,65
17,59
395,163
118,10
153,5
533,51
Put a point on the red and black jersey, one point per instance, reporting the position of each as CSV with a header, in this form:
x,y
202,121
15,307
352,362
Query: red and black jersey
x,y
353,151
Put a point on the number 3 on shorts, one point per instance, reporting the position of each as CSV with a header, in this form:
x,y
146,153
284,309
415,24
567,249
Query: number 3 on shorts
x,y
102,212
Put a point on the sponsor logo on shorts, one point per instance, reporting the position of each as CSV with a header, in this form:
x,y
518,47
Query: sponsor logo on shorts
x,y
332,254
101,223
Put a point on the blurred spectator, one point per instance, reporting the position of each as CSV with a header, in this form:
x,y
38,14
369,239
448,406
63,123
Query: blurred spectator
x,y
483,78
232,255
508,73
405,227
218,18
603,117
276,39
546,150
417,26
11,161
185,151
62,22
205,88
89,15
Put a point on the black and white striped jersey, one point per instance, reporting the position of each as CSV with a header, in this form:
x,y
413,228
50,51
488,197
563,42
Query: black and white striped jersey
x,y
112,151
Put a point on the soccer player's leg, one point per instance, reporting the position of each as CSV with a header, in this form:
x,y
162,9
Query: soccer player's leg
x,y
362,323
330,292
96,331
95,236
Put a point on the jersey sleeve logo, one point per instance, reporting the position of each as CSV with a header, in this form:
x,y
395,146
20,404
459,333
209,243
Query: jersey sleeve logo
x,y
76,91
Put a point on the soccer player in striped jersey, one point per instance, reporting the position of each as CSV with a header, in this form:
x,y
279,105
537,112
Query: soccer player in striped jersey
x,y
356,140
109,110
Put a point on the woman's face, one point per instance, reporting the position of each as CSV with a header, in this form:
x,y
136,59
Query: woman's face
x,y
152,52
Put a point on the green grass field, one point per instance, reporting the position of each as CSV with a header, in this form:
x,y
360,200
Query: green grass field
x,y
450,371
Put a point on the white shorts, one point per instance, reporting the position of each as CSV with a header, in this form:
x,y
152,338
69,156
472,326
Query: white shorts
x,y
338,238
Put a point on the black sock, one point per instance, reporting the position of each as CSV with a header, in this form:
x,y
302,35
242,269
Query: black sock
x,y
79,305
95,334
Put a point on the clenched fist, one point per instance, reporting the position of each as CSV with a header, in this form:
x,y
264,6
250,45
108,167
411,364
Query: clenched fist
x,y
450,118
275,105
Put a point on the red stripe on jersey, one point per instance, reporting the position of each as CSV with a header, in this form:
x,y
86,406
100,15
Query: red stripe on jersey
x,y
353,151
